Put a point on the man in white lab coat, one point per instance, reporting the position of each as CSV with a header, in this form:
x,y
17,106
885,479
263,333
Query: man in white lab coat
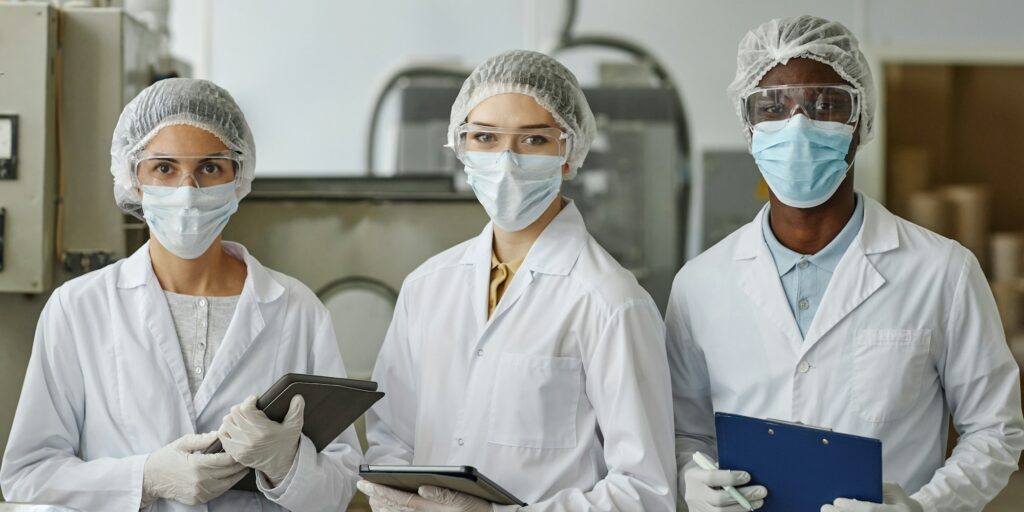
x,y
528,351
132,363
831,311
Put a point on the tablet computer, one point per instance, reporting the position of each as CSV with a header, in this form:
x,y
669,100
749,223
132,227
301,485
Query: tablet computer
x,y
332,405
465,479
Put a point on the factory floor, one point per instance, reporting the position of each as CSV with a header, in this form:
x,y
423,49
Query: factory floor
x,y
1012,498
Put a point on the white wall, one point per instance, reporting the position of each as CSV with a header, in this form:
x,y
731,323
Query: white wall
x,y
305,71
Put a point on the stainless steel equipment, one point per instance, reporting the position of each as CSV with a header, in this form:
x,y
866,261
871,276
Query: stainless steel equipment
x,y
732,193
28,100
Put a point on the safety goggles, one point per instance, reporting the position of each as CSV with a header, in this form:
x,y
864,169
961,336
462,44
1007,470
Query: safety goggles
x,y
819,102
524,141
187,170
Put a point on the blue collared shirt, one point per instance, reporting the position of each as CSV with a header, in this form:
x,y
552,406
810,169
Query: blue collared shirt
x,y
805,278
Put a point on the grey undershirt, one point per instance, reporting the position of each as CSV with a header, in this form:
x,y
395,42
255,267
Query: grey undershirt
x,y
201,323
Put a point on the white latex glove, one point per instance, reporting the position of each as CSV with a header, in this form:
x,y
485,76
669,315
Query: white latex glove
x,y
181,472
894,499
429,499
261,443
704,491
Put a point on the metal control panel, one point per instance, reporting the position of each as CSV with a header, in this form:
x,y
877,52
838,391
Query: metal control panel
x,y
28,41
8,146
60,97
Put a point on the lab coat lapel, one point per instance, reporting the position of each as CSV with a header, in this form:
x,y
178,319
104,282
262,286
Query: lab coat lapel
x,y
554,252
759,279
520,282
156,315
478,255
856,278
258,294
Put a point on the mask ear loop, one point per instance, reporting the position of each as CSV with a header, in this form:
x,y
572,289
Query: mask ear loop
x,y
567,137
849,165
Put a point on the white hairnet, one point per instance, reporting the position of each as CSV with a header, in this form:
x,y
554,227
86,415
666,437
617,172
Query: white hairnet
x,y
828,42
176,101
544,79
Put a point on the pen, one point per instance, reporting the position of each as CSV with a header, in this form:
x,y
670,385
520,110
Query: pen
x,y
705,463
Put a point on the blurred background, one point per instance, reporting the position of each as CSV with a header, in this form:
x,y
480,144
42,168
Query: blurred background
x,y
349,103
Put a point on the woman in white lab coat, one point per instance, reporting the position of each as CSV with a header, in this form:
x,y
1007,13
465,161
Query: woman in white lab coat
x,y
528,351
831,311
133,363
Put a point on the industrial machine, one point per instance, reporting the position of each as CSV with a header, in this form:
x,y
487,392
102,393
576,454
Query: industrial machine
x,y
65,75
732,192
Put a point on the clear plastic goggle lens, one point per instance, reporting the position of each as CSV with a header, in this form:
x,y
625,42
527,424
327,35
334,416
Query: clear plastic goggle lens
x,y
818,102
187,170
538,141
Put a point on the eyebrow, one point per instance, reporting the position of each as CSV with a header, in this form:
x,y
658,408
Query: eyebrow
x,y
208,156
526,127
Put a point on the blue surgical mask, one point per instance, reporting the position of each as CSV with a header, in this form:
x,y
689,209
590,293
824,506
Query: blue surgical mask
x,y
803,161
186,220
515,189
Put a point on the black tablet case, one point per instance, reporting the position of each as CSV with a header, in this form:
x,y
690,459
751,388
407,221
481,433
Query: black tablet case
x,y
332,405
465,480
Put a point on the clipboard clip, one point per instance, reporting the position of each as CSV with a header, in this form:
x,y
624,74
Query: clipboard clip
x,y
798,424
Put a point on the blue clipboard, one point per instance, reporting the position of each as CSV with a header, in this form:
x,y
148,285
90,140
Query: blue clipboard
x,y
803,467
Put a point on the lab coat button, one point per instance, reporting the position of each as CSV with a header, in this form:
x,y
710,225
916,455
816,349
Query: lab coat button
x,y
480,353
804,367
461,441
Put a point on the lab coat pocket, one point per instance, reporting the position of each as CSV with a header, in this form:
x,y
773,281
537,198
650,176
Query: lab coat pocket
x,y
534,401
888,369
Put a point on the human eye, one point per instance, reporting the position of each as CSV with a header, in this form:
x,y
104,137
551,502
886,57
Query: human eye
x,y
536,140
769,106
484,137
211,167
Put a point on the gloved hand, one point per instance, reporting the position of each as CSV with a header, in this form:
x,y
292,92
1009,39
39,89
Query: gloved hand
x,y
180,472
704,491
258,442
894,499
429,499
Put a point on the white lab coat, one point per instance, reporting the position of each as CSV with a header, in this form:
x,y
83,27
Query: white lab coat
x,y
906,334
563,397
106,386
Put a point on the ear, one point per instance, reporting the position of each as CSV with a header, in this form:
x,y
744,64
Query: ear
x,y
565,169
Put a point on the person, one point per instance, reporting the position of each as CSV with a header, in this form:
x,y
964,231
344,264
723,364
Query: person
x,y
138,367
526,352
831,311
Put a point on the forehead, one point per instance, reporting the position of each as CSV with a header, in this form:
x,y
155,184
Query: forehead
x,y
185,139
801,71
511,110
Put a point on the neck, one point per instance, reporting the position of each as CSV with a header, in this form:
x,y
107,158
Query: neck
x,y
808,230
514,245
213,274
